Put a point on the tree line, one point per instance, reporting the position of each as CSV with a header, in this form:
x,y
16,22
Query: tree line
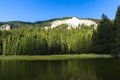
x,y
32,40
106,39
38,41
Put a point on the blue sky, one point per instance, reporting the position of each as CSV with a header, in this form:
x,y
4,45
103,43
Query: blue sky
x,y
37,10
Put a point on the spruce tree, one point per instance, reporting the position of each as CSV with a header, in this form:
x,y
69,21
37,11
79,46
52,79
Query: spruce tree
x,y
102,37
116,28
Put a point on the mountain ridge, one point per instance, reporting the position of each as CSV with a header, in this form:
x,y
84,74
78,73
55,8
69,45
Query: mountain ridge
x,y
49,23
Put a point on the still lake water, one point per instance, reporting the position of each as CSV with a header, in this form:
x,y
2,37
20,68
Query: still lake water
x,y
80,69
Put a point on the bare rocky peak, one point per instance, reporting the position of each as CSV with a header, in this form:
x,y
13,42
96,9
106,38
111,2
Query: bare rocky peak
x,y
73,23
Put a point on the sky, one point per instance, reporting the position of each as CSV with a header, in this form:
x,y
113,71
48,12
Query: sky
x,y
39,10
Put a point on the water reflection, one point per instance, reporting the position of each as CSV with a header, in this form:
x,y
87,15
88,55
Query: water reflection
x,y
99,69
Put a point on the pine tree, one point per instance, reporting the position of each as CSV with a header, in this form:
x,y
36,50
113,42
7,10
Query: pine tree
x,y
116,28
102,38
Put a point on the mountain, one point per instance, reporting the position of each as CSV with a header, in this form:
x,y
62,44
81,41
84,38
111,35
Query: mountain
x,y
68,22
73,23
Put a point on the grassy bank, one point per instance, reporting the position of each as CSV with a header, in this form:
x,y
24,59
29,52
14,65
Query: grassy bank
x,y
55,57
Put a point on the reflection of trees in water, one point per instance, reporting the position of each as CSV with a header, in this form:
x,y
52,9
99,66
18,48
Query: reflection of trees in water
x,y
81,70
107,69
0,71
92,69
47,70
8,69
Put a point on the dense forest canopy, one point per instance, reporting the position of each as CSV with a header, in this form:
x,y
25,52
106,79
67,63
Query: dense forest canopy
x,y
36,41
26,38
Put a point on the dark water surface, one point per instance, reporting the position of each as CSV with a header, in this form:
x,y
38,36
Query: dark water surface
x,y
81,69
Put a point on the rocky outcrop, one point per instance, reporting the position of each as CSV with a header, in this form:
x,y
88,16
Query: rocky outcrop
x,y
5,27
73,23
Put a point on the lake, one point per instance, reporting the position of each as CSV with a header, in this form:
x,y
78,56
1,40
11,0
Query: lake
x,y
77,69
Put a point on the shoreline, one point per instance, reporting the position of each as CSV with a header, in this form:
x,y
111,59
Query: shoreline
x,y
54,57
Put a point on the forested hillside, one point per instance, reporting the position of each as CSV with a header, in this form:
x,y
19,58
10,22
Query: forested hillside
x,y
24,38
37,41
39,38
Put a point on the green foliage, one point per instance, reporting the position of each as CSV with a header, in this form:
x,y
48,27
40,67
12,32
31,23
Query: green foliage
x,y
107,37
34,39
116,28
38,41
103,37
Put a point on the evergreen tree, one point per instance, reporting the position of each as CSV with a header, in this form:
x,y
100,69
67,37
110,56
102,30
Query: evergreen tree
x,y
102,38
116,28
38,41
